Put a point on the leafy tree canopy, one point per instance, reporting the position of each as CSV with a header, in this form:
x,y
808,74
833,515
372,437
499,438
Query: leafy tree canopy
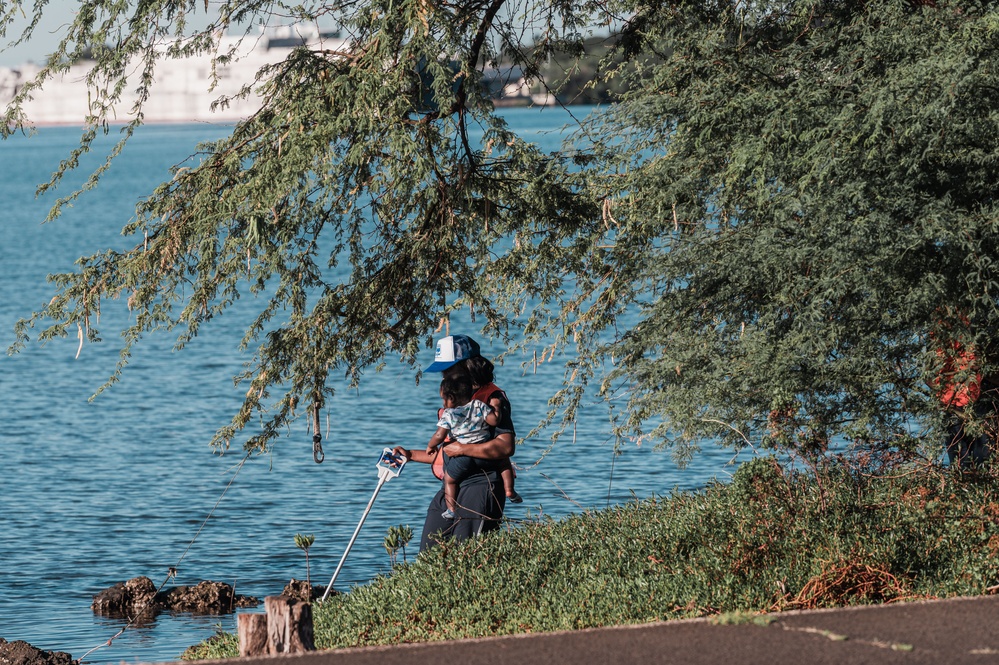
x,y
798,198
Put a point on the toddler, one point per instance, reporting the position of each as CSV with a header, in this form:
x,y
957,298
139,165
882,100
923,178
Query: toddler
x,y
466,420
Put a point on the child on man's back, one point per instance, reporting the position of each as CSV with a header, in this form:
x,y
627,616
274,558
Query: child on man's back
x,y
467,421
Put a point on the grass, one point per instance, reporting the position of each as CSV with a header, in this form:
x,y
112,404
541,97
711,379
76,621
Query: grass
x,y
219,645
770,540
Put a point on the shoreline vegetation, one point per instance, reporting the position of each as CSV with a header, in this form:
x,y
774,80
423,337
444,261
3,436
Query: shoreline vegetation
x,y
841,533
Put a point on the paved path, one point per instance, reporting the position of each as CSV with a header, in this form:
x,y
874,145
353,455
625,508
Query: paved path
x,y
956,631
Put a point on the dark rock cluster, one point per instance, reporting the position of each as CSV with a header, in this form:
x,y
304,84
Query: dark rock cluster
x,y
301,590
128,599
22,653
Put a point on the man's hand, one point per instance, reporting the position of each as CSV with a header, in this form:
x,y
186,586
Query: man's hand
x,y
454,449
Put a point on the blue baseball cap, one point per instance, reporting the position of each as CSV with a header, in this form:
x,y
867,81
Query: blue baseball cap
x,y
453,349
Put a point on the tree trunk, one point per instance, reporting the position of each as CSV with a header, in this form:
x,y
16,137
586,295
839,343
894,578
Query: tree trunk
x,y
252,632
285,628
289,625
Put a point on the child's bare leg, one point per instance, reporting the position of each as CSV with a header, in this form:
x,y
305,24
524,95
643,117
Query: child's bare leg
x,y
450,497
507,475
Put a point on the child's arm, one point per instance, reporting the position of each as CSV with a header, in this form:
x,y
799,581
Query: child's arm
x,y
437,439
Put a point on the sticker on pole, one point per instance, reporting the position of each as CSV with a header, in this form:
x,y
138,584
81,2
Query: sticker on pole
x,y
390,464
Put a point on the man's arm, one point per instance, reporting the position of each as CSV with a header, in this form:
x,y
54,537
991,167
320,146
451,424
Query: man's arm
x,y
499,448
421,456
493,417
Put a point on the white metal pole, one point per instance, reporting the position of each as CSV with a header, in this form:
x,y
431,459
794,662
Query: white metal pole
x,y
381,481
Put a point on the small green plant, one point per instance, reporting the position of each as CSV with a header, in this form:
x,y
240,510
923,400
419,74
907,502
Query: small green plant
x,y
397,538
739,617
303,543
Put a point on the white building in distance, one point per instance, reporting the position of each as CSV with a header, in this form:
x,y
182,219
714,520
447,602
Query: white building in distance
x,y
180,91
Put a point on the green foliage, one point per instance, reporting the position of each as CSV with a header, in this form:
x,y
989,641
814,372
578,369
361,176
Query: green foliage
x,y
219,645
357,217
579,74
770,540
396,539
797,198
800,195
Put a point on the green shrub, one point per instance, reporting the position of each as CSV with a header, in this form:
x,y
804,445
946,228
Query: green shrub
x,y
219,645
772,539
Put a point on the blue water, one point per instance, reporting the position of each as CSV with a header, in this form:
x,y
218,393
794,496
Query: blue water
x,y
97,492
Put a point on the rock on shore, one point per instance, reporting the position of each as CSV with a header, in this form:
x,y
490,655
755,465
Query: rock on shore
x,y
300,589
126,598
22,653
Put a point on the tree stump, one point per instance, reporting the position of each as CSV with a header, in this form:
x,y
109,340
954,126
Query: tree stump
x,y
285,628
289,625
252,632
